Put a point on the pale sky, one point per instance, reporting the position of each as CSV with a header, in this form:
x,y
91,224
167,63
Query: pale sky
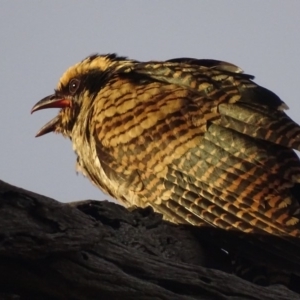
x,y
41,39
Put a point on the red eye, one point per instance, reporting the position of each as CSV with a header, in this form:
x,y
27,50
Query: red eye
x,y
74,85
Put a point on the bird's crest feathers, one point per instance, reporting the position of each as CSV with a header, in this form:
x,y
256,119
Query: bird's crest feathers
x,y
92,62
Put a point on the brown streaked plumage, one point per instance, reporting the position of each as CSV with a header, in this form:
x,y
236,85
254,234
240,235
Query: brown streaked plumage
x,y
197,140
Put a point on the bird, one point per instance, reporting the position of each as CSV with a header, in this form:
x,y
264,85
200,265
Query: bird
x,y
196,139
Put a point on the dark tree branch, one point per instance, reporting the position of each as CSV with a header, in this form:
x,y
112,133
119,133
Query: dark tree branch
x,y
99,250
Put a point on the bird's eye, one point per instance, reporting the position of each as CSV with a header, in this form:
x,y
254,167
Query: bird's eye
x,y
74,85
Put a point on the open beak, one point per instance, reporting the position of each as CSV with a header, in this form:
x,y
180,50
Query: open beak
x,y
52,101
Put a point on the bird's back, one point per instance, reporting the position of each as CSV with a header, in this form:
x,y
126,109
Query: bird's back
x,y
197,140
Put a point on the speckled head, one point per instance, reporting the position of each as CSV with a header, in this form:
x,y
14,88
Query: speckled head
x,y
77,86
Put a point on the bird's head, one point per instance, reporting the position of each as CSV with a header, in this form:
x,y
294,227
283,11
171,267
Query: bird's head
x,y
76,89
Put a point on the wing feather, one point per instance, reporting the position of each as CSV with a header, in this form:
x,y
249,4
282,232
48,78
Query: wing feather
x,y
202,139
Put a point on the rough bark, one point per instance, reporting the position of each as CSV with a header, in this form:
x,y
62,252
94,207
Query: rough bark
x,y
99,250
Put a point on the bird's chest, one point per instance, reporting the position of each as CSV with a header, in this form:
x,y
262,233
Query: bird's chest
x,y
88,162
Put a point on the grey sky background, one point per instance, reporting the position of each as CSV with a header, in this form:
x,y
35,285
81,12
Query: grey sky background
x,y
41,39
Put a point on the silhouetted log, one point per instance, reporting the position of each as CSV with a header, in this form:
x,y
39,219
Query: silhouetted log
x,y
99,250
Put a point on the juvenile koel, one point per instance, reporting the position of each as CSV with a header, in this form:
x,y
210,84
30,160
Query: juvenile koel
x,y
197,140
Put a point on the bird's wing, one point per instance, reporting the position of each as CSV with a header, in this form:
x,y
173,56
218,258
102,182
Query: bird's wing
x,y
202,145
